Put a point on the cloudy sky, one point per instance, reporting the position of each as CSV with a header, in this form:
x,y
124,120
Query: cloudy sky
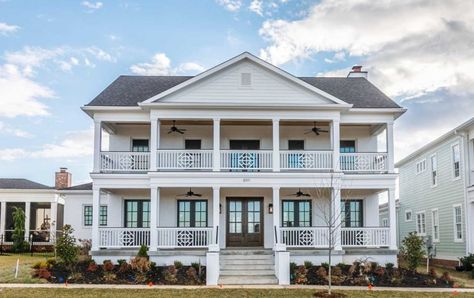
x,y
55,56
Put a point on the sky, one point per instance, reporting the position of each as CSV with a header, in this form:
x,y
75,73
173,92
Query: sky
x,y
56,56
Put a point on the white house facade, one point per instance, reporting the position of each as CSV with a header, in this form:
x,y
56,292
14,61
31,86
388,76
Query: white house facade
x,y
240,167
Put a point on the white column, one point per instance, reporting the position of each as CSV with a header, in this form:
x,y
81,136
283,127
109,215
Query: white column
x,y
335,139
216,197
217,145
154,134
276,145
154,217
97,145
276,208
95,217
54,220
27,220
393,218
3,214
336,217
390,148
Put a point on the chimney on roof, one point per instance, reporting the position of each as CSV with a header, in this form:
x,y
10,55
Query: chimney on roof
x,y
357,72
63,179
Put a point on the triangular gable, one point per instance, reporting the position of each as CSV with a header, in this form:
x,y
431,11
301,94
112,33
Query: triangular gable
x,y
223,85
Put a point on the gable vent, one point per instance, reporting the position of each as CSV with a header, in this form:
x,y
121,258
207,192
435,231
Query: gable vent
x,y
245,79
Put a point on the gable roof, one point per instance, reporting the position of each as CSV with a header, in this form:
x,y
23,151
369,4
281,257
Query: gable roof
x,y
85,186
19,183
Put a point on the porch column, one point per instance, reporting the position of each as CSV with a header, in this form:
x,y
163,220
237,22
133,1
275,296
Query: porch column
x,y
276,145
27,220
216,197
335,144
54,220
95,217
216,145
390,148
276,210
154,141
97,144
3,218
154,217
392,218
335,218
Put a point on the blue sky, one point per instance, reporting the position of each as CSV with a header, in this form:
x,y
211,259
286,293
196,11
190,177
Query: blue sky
x,y
55,56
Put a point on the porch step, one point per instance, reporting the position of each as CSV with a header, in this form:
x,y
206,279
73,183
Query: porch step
x,y
249,266
248,280
246,272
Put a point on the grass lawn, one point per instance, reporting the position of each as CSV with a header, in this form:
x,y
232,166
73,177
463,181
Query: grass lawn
x,y
208,293
463,278
8,264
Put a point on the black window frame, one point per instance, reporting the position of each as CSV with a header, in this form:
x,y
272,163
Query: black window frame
x,y
190,143
140,212
147,146
87,216
345,148
296,211
346,221
192,213
103,216
299,144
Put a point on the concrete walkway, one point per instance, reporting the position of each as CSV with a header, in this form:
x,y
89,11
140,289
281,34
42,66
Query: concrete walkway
x,y
135,287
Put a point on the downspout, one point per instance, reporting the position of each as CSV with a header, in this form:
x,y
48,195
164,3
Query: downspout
x,y
466,165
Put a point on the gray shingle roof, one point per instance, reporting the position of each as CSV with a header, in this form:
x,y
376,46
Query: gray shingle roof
x,y
85,186
130,90
19,183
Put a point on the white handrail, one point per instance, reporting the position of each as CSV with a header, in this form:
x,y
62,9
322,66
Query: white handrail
x,y
123,237
113,161
364,162
300,160
317,237
185,237
184,159
365,237
246,160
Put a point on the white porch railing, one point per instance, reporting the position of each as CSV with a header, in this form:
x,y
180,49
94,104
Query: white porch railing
x,y
364,162
300,160
316,237
184,159
123,237
365,237
184,237
124,161
246,160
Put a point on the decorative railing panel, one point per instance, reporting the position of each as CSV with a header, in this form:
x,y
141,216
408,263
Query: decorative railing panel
x,y
365,237
184,159
123,237
364,162
124,161
184,237
311,160
246,160
316,237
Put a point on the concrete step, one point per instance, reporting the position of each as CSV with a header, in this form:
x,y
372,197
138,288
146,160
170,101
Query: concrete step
x,y
247,266
225,262
246,272
246,257
248,280
245,252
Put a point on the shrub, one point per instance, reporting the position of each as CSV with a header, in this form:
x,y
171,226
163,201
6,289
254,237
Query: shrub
x,y
140,264
40,265
66,248
433,273
110,277
341,265
121,261
374,266
336,271
143,252
322,272
389,266
192,277
301,275
467,262
293,267
85,247
325,265
446,277
92,267
108,265
170,274
379,271
308,264
412,250
178,265
196,266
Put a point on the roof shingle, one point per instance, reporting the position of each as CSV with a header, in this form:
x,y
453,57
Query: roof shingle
x,y
19,183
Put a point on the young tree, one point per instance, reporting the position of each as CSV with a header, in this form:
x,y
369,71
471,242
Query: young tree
x,y
18,236
66,248
412,250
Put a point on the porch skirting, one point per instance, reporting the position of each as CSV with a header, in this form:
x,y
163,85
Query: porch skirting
x,y
160,257
348,256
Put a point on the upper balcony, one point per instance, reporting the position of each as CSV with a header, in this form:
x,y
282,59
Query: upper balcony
x,y
243,146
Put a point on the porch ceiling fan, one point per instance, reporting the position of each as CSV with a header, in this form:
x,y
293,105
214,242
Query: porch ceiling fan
x,y
299,193
175,129
190,193
315,130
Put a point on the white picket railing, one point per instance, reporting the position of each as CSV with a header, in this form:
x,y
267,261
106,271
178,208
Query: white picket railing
x,y
184,159
316,237
300,160
185,237
123,237
364,162
113,161
246,160
365,237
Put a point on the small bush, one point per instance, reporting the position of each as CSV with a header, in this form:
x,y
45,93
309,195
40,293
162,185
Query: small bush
x,y
433,273
374,266
143,252
196,266
92,267
108,265
178,265
66,248
379,271
325,265
121,261
389,266
322,272
341,265
85,247
140,264
192,277
336,271
301,275
308,264
412,250
467,262
170,275
293,267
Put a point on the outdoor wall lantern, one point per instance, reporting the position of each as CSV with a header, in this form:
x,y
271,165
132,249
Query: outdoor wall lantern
x,y
270,208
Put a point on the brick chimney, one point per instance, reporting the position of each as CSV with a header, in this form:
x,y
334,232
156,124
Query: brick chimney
x,y
63,179
357,72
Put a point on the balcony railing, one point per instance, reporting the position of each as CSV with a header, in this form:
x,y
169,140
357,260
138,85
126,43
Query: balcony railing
x,y
124,161
310,160
316,237
246,160
123,237
364,162
184,159
365,237
184,237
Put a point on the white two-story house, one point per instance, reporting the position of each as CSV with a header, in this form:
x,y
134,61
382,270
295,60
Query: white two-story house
x,y
240,167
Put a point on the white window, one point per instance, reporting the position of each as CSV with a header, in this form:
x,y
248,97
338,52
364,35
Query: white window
x,y
421,223
384,222
434,170
456,161
435,224
246,79
421,166
457,212
408,215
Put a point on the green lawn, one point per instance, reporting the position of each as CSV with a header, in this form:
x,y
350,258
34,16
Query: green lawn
x,y
8,264
208,293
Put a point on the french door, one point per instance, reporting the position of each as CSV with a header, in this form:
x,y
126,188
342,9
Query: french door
x,y
244,222
137,214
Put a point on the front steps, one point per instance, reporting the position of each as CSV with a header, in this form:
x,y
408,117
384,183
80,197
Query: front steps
x,y
247,267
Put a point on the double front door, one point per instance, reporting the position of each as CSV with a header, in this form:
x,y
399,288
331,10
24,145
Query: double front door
x,y
244,222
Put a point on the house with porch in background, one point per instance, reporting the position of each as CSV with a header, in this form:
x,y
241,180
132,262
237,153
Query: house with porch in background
x,y
239,168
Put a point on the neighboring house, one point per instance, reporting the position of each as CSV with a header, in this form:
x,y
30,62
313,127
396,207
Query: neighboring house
x,y
437,193
43,206
384,217
243,155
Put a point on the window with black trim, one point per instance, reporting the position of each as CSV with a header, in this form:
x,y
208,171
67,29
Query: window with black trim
x,y
192,144
137,214
295,144
192,213
296,213
103,216
352,213
87,215
347,146
139,145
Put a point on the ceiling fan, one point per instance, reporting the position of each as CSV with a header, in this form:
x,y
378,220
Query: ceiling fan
x,y
299,193
190,193
175,129
315,130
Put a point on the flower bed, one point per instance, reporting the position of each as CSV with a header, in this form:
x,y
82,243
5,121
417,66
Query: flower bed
x,y
368,274
138,271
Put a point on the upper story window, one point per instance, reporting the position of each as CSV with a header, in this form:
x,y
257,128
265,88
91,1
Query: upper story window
x,y
192,144
296,213
421,223
456,160
434,170
139,145
408,215
347,146
384,222
421,166
295,144
245,79
352,213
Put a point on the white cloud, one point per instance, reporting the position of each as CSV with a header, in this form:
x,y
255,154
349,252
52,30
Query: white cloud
x,y
6,29
161,65
230,5
12,154
338,57
6,129
256,7
100,54
92,5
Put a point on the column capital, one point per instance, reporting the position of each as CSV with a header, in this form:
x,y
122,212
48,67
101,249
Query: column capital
x,y
276,187
276,120
216,119
216,187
